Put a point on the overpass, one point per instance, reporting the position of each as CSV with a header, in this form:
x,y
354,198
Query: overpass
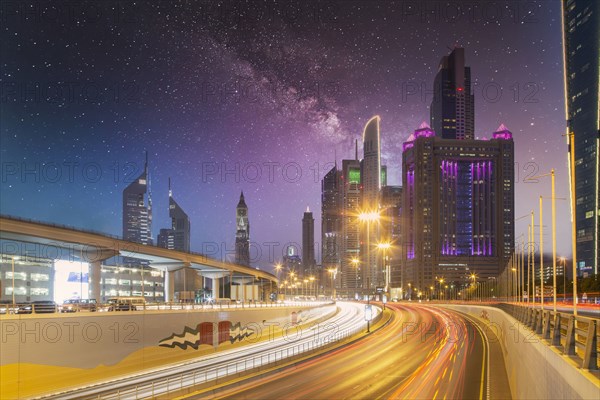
x,y
95,247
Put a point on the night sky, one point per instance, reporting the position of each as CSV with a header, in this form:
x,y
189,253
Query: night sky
x,y
270,90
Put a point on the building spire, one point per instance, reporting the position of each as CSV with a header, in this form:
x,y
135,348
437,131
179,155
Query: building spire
x,y
170,191
335,158
356,149
146,163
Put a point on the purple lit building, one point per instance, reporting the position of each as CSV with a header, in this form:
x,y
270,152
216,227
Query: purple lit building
x,y
458,208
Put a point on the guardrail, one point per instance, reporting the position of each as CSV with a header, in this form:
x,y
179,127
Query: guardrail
x,y
189,379
102,308
578,337
195,378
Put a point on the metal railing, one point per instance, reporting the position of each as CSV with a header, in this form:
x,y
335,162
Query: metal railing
x,y
578,337
201,375
212,375
29,308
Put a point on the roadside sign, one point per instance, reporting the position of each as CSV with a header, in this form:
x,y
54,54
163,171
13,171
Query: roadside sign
x,y
368,312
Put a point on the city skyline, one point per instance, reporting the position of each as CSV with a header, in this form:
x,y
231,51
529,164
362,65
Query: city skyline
x,y
296,111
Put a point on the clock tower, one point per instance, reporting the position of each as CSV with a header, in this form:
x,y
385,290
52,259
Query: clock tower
x,y
242,236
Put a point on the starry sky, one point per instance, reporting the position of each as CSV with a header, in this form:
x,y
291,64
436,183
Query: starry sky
x,y
258,96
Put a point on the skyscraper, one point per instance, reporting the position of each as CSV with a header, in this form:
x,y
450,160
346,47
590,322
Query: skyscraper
x,y
349,247
452,111
178,236
371,174
137,209
242,236
581,30
330,219
371,165
458,207
391,232
308,243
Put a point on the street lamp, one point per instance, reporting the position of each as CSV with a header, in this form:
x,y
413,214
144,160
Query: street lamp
x,y
514,284
368,217
441,292
312,279
564,273
333,272
385,246
473,277
355,261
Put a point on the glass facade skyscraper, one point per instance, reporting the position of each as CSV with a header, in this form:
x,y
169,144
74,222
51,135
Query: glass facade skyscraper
x,y
581,29
137,209
330,219
452,111
178,236
308,243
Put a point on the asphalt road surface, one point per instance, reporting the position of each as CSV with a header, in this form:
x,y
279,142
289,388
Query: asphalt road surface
x,y
424,352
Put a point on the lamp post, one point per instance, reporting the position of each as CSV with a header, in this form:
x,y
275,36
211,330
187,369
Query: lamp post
x,y
385,246
564,273
553,198
355,261
571,136
312,280
368,217
333,272
513,288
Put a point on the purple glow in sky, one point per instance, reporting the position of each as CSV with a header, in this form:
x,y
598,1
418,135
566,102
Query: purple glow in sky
x,y
259,97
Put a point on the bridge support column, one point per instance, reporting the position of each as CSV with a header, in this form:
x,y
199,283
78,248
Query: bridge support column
x,y
169,286
95,269
216,293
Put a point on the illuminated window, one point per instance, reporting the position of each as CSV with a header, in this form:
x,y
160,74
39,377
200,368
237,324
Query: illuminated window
x,y
18,275
19,291
39,277
589,214
39,291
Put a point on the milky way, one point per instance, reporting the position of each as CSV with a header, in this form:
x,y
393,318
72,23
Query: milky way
x,y
253,96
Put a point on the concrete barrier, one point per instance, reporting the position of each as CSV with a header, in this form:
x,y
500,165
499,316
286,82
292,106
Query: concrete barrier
x,y
535,370
43,353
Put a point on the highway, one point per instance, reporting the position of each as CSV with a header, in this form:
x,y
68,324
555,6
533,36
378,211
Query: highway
x,y
348,321
424,352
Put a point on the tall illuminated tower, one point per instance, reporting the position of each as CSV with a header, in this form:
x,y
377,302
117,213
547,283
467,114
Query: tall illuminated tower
x,y
371,186
452,111
242,236
178,236
349,249
137,209
581,30
308,243
331,218
458,207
